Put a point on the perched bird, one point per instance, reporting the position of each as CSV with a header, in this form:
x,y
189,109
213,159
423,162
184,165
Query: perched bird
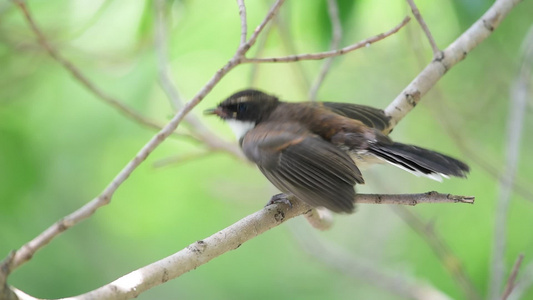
x,y
313,150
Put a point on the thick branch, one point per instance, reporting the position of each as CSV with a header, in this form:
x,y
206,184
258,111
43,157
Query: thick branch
x,y
196,254
456,52
230,238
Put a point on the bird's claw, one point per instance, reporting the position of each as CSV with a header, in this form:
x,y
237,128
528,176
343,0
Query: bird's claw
x,y
279,198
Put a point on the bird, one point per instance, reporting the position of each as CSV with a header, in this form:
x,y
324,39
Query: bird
x,y
314,150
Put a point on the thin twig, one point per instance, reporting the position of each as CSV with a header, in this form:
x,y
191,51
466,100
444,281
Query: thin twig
x,y
25,253
512,278
418,16
515,126
336,36
315,56
449,260
453,54
413,199
523,284
322,220
244,25
261,26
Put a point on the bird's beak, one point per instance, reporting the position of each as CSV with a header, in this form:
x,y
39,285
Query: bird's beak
x,y
215,111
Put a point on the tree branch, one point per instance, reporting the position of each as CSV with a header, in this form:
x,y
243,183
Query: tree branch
x,y
322,55
523,284
455,52
413,199
418,16
230,238
512,278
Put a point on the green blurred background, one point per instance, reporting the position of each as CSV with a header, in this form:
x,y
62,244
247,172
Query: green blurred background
x,y
60,146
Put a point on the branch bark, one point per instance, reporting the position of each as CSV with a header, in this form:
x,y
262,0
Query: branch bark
x,y
230,238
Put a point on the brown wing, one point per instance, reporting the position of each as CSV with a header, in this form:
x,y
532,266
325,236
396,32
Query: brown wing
x,y
304,165
370,116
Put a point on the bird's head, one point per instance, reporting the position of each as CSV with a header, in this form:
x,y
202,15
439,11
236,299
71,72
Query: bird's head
x,y
247,106
244,110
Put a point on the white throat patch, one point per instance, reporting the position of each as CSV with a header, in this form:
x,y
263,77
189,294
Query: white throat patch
x,y
240,128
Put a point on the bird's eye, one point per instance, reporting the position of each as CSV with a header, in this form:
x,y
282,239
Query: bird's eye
x,y
242,107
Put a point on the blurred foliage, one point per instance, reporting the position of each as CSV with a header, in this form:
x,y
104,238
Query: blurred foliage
x,y
60,145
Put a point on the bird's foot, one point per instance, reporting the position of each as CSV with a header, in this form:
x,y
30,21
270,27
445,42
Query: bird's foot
x,y
279,198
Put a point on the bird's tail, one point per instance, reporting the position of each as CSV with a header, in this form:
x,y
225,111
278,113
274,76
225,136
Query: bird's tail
x,y
419,161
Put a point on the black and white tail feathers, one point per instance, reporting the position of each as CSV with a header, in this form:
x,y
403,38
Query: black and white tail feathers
x,y
420,161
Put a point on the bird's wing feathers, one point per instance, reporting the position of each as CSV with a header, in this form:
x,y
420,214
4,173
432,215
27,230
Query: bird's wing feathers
x,y
371,117
304,165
